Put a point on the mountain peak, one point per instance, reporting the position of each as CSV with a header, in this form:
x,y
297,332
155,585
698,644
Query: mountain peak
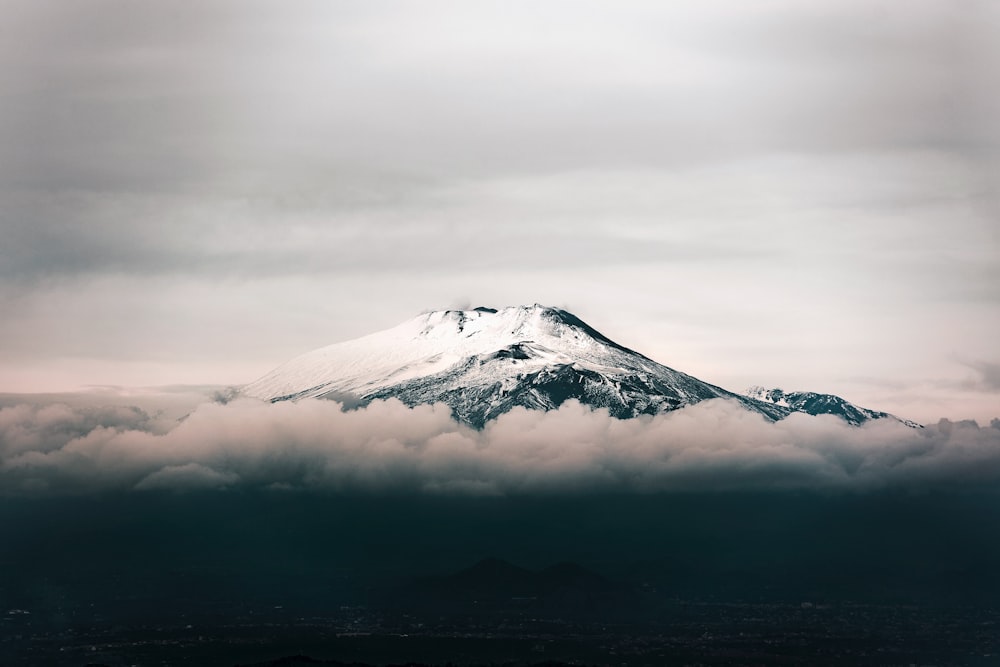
x,y
498,327
775,396
485,361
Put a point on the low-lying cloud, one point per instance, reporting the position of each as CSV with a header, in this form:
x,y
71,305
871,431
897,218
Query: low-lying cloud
x,y
387,447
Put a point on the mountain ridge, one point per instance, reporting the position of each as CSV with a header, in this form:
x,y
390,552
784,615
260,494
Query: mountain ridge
x,y
814,403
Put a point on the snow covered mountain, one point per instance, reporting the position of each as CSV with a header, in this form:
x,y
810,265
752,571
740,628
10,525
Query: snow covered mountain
x,y
484,362
821,404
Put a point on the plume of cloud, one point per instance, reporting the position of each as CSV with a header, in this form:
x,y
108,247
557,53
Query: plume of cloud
x,y
387,447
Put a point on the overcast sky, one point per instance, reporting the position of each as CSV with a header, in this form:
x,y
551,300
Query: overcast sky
x,y
804,195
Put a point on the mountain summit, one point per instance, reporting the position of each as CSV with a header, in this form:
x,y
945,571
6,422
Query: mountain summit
x,y
484,362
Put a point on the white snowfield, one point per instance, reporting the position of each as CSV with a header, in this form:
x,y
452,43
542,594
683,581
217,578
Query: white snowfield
x,y
435,342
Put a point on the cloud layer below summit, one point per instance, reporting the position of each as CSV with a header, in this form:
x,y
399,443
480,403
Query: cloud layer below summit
x,y
389,448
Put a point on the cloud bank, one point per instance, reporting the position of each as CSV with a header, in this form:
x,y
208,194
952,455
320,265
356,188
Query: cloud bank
x,y
387,447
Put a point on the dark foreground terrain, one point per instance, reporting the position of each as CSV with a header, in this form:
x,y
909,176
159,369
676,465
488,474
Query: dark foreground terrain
x,y
256,578
693,633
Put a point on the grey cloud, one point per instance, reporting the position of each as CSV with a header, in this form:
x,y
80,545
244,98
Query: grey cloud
x,y
573,220
389,448
269,234
95,236
49,427
239,139
247,96
989,376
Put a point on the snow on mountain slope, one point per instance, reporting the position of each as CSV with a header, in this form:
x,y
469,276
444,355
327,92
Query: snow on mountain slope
x,y
821,404
483,362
